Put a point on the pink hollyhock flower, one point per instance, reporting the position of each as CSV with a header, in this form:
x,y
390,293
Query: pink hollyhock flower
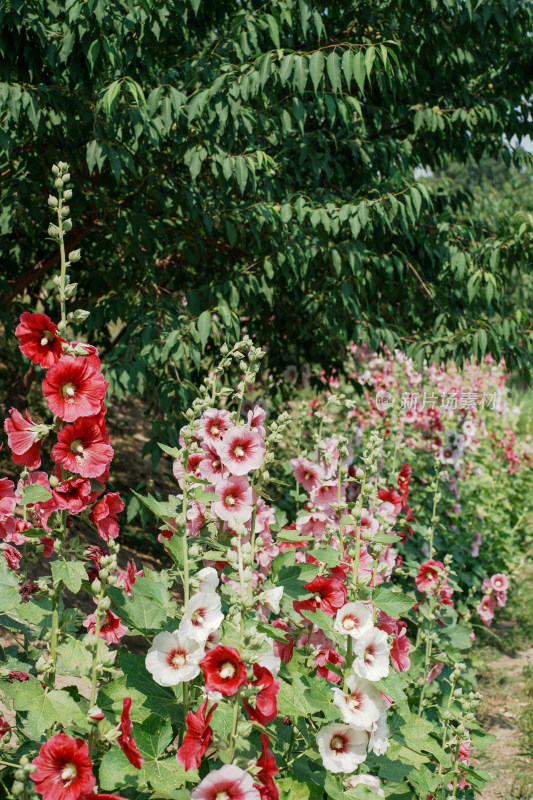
x,y
499,582
104,515
213,425
404,479
391,503
434,672
227,783
269,768
241,450
325,657
485,609
399,651
193,468
476,544
38,340
197,738
73,494
83,448
313,524
11,555
387,624
236,499
195,518
211,467
126,741
329,594
18,675
324,495
342,747
74,389
501,599
256,418
223,670
128,578
8,501
308,474
64,770
112,629
429,576
264,707
24,438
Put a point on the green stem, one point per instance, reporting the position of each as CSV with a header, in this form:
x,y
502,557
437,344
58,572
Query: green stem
x,y
355,563
94,673
234,722
429,644
184,541
448,706
62,298
339,502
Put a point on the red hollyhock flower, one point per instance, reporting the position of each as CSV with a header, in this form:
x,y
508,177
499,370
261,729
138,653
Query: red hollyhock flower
x,y
283,651
265,707
112,628
48,544
329,594
399,651
74,494
126,741
74,389
325,657
196,740
24,439
100,796
38,340
64,770
404,479
104,515
429,575
391,496
11,555
267,762
223,670
82,448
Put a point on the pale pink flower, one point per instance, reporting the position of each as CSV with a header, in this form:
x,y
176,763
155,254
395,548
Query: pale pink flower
x,y
342,748
326,494
211,467
434,672
193,468
485,609
8,501
372,655
361,706
308,474
242,450
379,735
227,783
476,544
256,418
499,582
195,518
353,619
313,524
236,499
213,425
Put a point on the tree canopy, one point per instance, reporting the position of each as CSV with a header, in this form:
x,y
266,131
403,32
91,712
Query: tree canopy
x,y
257,165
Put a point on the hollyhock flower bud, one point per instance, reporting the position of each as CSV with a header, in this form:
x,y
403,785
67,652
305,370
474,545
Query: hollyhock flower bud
x,y
126,741
173,658
342,748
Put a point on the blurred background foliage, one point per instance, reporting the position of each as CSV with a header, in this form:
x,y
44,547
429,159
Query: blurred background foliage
x,y
311,173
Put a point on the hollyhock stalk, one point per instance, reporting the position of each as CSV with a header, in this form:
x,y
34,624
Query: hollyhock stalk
x,y
56,596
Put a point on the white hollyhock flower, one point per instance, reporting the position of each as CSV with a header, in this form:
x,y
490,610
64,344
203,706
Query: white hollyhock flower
x,y
362,705
203,616
269,660
372,655
342,748
208,577
379,735
173,658
370,781
272,598
353,619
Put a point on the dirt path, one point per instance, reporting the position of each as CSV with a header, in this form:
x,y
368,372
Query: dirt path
x,y
506,685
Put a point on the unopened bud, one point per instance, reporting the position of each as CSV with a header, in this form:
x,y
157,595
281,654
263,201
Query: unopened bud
x,y
74,256
67,225
80,315
53,231
53,481
52,201
58,183
55,169
68,194
66,177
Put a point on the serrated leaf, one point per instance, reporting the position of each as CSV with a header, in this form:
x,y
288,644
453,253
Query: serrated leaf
x,y
34,494
393,603
72,573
